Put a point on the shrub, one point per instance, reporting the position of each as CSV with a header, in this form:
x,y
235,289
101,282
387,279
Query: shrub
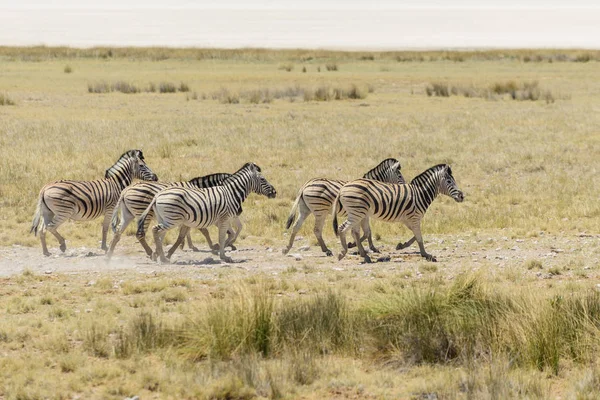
x,y
331,67
286,67
124,87
183,87
5,100
68,69
99,87
166,87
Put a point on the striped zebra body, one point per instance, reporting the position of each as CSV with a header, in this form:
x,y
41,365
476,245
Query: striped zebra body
x,y
406,203
86,200
135,199
317,196
201,208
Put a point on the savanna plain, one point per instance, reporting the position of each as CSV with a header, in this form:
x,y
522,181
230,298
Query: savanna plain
x,y
510,310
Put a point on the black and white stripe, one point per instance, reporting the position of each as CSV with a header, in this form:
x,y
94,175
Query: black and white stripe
x,y
317,196
201,208
135,199
404,203
87,200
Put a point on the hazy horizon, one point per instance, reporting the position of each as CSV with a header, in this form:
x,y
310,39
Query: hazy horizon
x,y
357,25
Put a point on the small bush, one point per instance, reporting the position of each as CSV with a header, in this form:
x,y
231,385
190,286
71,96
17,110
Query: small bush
x,y
68,69
166,87
124,87
331,67
151,87
286,67
183,87
304,69
438,89
5,100
99,87
367,57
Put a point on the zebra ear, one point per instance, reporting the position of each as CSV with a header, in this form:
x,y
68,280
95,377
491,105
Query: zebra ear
x,y
106,173
396,165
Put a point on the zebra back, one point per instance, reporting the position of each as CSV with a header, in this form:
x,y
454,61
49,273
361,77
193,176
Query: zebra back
x,y
210,180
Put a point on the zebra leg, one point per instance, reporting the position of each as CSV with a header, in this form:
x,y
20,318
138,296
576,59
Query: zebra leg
x,y
105,225
366,226
61,240
183,232
342,232
47,217
189,242
417,231
318,230
304,213
213,247
361,249
233,233
127,217
401,245
142,239
159,233
223,227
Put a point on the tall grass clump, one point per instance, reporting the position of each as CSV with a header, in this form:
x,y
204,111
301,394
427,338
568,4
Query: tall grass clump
x,y
167,87
142,335
125,87
68,69
252,322
515,91
5,100
99,87
331,66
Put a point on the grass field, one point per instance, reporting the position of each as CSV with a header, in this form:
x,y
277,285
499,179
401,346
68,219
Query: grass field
x,y
529,169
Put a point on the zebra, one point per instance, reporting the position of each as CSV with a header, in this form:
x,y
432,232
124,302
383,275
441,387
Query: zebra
x,y
201,208
87,200
136,198
406,203
317,196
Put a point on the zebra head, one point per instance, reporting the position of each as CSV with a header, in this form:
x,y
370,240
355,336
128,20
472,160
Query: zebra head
x,y
259,183
448,184
387,171
131,164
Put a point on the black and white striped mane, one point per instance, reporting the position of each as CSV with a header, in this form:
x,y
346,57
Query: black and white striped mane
x,y
428,172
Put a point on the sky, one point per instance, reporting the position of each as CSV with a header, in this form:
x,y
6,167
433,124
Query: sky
x,y
349,24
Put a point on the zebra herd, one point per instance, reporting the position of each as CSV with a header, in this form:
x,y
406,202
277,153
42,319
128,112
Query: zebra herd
x,y
217,199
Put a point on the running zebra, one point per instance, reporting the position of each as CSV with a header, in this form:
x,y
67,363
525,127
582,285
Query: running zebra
x,y
201,208
405,203
317,196
136,198
87,200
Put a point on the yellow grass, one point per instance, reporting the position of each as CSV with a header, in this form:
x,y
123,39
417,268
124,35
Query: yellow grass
x,y
526,167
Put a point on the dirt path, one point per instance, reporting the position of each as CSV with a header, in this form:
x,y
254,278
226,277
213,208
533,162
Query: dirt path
x,y
558,256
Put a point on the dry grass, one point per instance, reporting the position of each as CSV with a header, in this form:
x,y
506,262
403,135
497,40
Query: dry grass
x,y
510,89
527,169
5,100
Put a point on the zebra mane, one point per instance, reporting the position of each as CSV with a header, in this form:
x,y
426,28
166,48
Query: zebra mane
x,y
249,164
387,161
128,154
428,171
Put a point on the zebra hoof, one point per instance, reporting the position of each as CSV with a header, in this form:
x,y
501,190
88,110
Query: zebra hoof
x,y
228,260
431,258
368,260
329,253
47,253
63,247
285,251
215,247
340,256
401,246
232,247
195,249
154,256
374,250
351,245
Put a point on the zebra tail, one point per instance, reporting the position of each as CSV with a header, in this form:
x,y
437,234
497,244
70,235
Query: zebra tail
x,y
116,217
337,205
292,216
37,216
142,221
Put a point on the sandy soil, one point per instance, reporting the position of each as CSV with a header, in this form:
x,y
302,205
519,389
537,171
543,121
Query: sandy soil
x,y
575,256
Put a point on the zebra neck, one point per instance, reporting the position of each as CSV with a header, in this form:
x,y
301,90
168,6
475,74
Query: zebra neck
x,y
120,173
240,186
427,191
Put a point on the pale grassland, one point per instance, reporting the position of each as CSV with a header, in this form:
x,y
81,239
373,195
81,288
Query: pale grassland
x,y
525,167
